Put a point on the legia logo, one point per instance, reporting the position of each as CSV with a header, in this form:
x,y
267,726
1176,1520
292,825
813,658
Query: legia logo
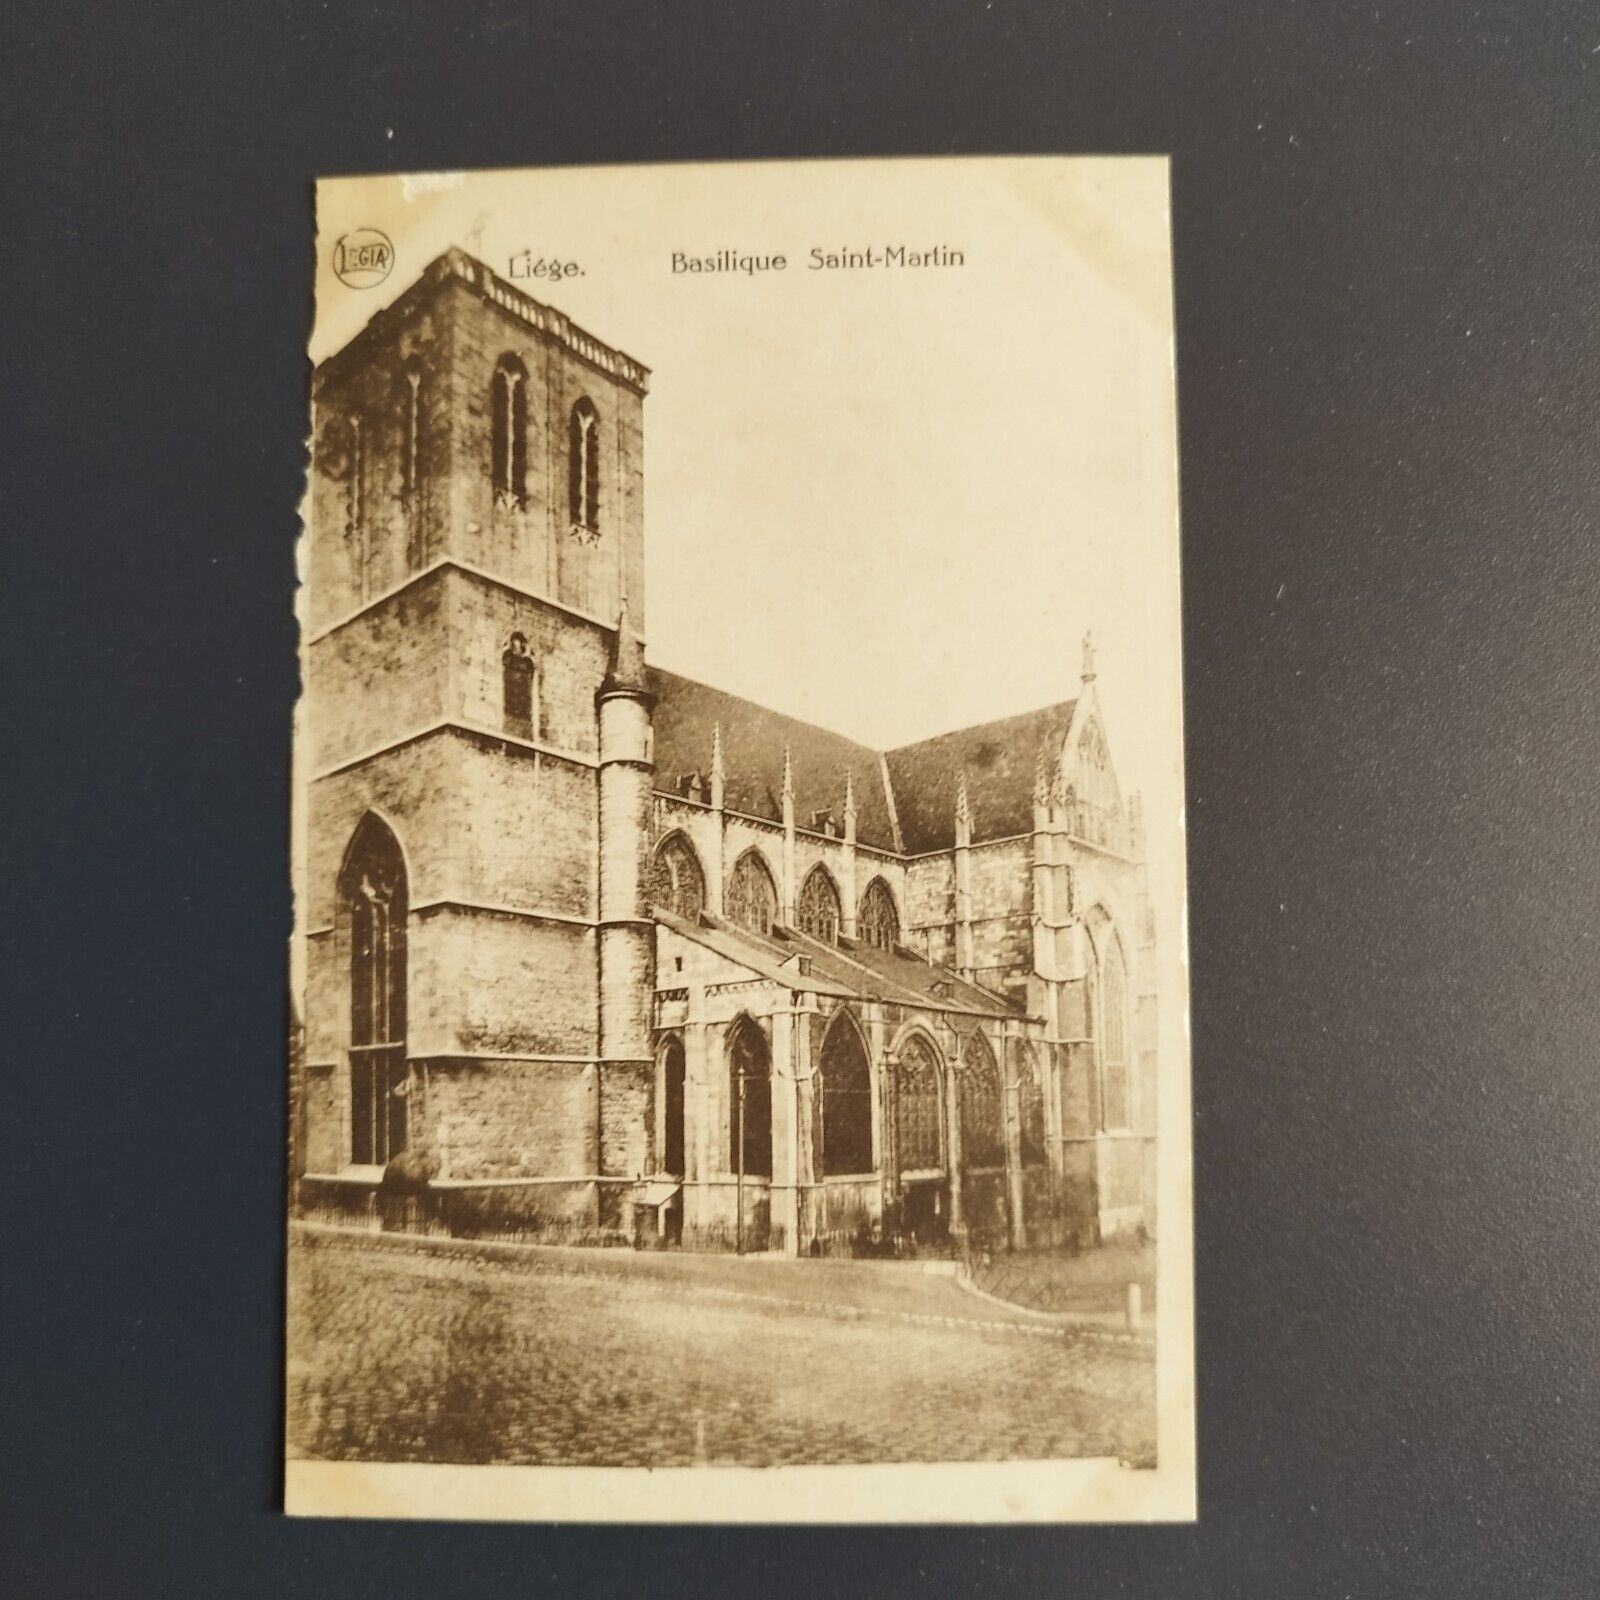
x,y
363,258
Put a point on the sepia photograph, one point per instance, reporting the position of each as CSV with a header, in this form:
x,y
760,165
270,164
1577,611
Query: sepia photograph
x,y
739,1062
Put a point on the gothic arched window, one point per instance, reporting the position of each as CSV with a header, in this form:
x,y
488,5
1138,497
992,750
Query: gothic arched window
x,y
918,1107
1114,1097
749,1100
672,1080
410,398
752,898
519,689
844,1101
878,922
508,432
818,912
583,467
373,905
676,881
1030,1104
981,1105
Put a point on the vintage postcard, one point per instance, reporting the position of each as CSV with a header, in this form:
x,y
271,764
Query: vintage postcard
x,y
740,1063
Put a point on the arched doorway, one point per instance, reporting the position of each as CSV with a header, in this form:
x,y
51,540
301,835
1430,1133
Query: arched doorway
x,y
373,908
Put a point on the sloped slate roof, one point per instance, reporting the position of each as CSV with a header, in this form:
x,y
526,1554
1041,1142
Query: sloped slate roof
x,y
859,972
753,740
999,759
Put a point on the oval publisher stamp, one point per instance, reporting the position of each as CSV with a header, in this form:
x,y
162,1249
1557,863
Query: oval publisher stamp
x,y
363,258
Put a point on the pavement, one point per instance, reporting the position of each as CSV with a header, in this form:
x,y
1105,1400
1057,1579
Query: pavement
x,y
420,1350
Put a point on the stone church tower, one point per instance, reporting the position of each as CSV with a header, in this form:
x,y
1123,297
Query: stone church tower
x,y
477,730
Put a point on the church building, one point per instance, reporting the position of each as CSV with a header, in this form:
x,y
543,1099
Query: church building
x,y
595,951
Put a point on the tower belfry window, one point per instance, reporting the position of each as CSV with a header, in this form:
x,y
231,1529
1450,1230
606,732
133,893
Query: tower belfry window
x,y
508,413
410,428
583,468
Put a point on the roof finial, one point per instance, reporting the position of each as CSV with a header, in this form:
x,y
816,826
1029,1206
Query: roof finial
x,y
716,765
788,773
849,793
1088,656
963,804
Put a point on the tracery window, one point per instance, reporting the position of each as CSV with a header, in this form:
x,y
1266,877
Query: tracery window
x,y
918,1107
1094,803
878,923
844,1101
752,898
1114,1096
374,903
410,427
508,432
583,467
518,687
981,1106
818,912
676,881
749,1100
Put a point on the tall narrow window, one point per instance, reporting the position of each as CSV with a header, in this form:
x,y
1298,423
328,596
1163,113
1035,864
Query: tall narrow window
x,y
583,467
356,507
519,689
749,1101
354,511
672,1079
878,922
752,898
843,1101
818,911
676,881
508,431
1030,1103
374,903
918,1107
982,1129
410,428
1114,1096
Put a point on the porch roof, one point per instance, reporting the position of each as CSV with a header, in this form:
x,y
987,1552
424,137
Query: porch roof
x,y
849,970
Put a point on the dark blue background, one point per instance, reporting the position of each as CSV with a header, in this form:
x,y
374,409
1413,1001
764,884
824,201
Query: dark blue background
x,y
1387,263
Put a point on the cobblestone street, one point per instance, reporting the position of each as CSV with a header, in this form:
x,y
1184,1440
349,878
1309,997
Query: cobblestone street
x,y
404,1354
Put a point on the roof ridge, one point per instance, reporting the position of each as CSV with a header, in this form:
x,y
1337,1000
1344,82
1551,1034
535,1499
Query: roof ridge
x,y
771,711
992,722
